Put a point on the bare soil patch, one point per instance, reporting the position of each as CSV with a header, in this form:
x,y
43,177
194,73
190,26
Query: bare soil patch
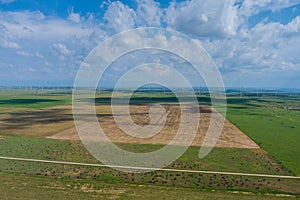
x,y
230,137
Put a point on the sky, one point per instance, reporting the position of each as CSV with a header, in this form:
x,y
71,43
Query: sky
x,y
254,43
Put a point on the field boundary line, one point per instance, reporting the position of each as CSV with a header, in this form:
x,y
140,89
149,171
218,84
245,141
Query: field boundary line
x,y
148,168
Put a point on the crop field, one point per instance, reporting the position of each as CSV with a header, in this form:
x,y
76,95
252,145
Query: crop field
x,y
261,136
230,137
14,100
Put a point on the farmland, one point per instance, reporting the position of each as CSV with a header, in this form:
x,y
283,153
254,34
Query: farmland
x,y
273,124
31,125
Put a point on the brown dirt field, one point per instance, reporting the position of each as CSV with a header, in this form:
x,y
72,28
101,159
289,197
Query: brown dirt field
x,y
38,123
9,110
230,137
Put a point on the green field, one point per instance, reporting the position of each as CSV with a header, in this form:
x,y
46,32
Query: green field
x,y
220,159
272,125
19,101
20,186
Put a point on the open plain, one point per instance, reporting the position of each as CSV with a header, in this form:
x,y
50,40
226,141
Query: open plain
x,y
44,129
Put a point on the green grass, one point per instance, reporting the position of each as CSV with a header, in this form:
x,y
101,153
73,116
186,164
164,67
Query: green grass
x,y
271,125
20,186
28,147
28,100
220,159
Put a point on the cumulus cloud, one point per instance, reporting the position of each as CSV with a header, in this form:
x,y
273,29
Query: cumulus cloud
x,y
41,31
148,13
46,42
119,17
265,47
293,27
222,27
203,18
199,18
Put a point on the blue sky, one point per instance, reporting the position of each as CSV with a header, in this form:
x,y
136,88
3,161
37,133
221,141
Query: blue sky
x,y
255,43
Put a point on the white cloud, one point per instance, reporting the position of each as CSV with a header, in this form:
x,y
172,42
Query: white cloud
x,y
293,26
252,7
9,44
152,73
221,26
7,39
6,65
24,53
203,18
36,32
75,17
52,42
264,48
35,26
38,55
6,1
62,48
119,17
148,13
